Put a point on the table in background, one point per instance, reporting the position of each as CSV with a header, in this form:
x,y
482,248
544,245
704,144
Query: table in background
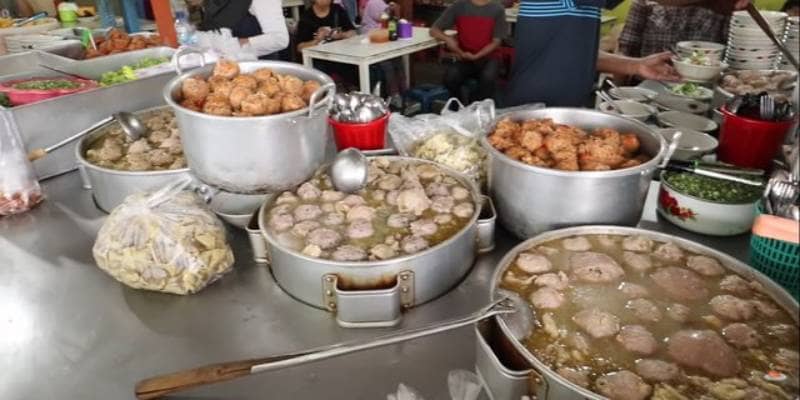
x,y
359,51
70,331
295,5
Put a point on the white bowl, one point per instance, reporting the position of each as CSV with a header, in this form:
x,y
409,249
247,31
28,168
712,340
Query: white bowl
x,y
236,209
702,93
698,73
673,102
634,93
630,109
707,48
703,216
678,119
692,144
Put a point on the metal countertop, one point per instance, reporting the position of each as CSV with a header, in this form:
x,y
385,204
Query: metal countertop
x,y
69,331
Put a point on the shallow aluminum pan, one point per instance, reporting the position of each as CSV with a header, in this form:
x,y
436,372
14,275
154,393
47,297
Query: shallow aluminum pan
x,y
28,62
374,293
95,67
110,187
531,200
512,368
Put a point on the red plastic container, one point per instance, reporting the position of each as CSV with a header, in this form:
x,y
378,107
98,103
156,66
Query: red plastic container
x,y
20,97
750,142
367,136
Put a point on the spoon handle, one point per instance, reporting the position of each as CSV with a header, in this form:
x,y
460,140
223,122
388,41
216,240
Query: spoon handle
x,y
36,154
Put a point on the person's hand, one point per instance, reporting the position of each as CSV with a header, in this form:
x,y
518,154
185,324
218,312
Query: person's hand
x,y
323,32
741,4
469,56
657,67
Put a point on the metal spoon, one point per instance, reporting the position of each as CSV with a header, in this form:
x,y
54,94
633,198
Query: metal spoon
x,y
131,125
609,100
349,171
36,154
673,145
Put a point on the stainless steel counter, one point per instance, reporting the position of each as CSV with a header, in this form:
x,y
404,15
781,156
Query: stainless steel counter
x,y
69,331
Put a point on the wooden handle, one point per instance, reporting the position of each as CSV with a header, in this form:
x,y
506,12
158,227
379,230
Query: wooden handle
x,y
36,154
158,386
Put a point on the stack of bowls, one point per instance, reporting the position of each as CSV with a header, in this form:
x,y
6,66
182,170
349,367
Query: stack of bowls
x,y
748,46
791,41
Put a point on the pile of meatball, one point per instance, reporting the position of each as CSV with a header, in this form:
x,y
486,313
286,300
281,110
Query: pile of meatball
x,y
406,208
654,321
229,92
118,41
544,143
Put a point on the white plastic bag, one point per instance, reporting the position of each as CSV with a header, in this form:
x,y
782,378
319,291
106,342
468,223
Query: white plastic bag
x,y
167,241
451,139
19,188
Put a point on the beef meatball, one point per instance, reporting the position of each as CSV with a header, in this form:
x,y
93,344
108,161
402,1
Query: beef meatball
x,y
302,228
442,204
389,182
637,339
361,212
360,229
382,251
443,219
578,377
412,201
679,312
578,243
644,310
281,222
459,193
632,290
325,238
680,284
308,191
732,307
464,210
547,298
424,227
332,196
594,267
704,349
741,335
705,266
305,212
597,323
639,244
637,261
414,244
557,281
669,252
533,263
623,385
399,221
736,285
333,219
657,370
349,253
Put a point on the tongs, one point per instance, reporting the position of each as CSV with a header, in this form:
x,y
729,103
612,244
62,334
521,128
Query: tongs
x,y
682,167
720,167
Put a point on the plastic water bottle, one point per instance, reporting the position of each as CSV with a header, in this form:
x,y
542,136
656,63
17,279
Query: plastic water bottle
x,y
184,30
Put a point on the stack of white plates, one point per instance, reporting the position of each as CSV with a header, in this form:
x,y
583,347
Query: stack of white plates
x,y
22,43
748,46
791,41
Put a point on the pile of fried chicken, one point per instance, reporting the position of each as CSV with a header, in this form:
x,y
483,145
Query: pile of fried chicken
x,y
544,143
118,41
228,92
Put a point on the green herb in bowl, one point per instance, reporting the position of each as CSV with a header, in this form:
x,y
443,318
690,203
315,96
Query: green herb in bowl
x,y
128,72
47,84
712,189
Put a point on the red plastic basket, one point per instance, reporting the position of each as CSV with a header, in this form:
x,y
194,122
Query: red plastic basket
x,y
366,136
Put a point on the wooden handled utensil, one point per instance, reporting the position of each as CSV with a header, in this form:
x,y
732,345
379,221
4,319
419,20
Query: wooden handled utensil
x,y
36,154
156,387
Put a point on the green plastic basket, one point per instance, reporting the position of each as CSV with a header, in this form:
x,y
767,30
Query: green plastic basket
x,y
777,259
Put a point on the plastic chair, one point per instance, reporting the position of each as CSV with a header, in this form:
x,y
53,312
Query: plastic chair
x,y
426,94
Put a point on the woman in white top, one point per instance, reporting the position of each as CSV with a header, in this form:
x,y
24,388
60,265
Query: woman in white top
x,y
259,23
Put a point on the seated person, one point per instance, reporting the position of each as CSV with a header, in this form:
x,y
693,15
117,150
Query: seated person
x,y
324,22
481,27
15,8
392,70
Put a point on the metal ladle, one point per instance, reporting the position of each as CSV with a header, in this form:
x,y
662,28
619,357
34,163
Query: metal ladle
x,y
349,171
131,125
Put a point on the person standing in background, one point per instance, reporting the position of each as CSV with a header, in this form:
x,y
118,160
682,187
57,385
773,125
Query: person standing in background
x,y
651,27
392,70
259,23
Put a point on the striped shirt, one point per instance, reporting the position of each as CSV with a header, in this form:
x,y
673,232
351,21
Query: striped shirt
x,y
558,8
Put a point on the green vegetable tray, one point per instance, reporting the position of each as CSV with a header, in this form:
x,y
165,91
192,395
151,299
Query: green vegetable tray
x,y
777,259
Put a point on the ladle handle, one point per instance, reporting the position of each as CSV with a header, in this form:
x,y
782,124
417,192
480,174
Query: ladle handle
x,y
153,388
183,51
36,154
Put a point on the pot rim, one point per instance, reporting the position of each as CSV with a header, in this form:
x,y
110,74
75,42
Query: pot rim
x,y
391,261
90,136
176,81
709,202
731,264
649,164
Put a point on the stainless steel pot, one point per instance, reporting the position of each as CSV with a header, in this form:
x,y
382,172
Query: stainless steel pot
x,y
255,154
109,186
510,370
374,293
532,200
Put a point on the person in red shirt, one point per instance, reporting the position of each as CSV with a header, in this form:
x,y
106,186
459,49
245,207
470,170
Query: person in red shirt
x,y
481,26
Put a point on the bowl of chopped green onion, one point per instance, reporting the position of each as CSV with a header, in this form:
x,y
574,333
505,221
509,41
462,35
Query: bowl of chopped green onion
x,y
26,91
706,205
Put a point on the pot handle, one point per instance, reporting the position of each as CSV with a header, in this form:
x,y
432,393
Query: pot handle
x,y
326,89
257,242
183,51
487,221
373,308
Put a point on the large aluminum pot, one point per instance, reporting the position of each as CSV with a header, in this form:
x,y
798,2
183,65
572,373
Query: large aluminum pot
x,y
531,200
255,154
109,186
510,370
374,293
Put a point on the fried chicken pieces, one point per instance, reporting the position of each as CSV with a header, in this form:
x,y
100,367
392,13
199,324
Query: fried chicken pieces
x,y
543,143
229,92
118,41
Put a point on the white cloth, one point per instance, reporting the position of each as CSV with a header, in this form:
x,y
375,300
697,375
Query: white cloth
x,y
275,35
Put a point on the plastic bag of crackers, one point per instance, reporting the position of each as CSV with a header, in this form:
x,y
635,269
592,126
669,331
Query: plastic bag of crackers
x,y
167,241
19,188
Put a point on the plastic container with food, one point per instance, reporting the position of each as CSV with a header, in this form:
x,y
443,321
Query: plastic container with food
x,y
32,90
707,205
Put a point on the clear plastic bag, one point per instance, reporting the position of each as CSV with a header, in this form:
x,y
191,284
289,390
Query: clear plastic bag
x,y
19,188
167,241
451,139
